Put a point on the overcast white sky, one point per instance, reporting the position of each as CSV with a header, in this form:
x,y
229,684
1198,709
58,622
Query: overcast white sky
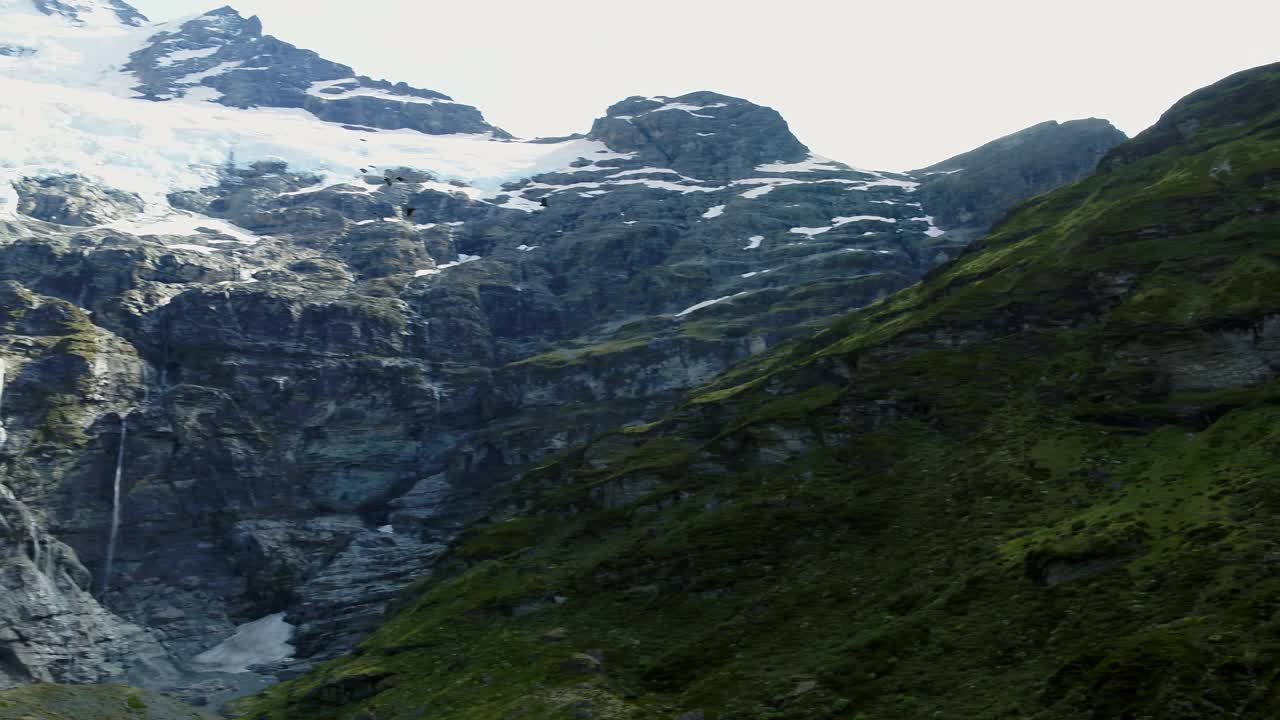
x,y
881,84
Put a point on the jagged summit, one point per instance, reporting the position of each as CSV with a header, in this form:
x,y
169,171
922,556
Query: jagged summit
x,y
219,56
701,134
1032,139
971,190
224,57
157,107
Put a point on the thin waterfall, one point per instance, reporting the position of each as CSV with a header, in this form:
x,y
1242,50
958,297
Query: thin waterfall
x,y
35,540
115,505
4,435
50,557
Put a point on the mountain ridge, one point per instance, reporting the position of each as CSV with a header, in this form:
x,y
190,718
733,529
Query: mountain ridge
x,y
1038,483
272,368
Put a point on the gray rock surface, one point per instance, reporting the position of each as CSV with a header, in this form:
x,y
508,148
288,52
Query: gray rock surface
x,y
971,191
51,628
71,200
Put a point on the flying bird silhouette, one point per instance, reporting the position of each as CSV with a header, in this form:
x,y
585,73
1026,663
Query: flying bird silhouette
x,y
408,212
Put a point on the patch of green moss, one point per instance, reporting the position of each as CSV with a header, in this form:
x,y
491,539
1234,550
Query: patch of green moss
x,y
92,702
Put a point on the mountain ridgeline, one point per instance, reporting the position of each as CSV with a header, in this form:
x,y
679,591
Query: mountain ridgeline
x,y
970,192
307,375
1042,482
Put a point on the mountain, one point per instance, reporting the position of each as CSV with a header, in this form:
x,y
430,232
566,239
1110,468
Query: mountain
x,y
1040,483
972,190
272,333
221,57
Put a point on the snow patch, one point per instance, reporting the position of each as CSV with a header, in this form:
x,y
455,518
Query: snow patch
x,y
462,259
809,232
182,224
838,221
714,212
758,192
705,304
194,248
933,231
814,163
260,642
753,242
882,181
178,56
645,171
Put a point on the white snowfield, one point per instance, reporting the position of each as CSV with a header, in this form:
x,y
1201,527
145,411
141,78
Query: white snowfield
x,y
838,221
69,108
705,304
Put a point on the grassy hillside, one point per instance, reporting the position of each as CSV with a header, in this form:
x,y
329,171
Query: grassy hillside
x,y
1044,483
92,702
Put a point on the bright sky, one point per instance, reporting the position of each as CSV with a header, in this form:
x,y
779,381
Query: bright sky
x,y
875,83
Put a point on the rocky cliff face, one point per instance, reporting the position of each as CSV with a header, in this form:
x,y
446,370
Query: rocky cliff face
x,y
969,192
328,365
1040,483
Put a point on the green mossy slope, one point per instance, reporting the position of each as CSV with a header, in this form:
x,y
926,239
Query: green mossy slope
x,y
1043,483
92,702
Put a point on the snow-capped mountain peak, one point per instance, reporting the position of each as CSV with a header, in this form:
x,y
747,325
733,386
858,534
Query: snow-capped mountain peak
x,y
154,108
